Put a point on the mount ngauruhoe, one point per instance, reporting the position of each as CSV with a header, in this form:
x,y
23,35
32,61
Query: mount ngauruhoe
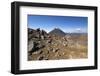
x,y
57,32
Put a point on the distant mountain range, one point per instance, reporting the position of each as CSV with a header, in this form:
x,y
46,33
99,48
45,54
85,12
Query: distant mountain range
x,y
55,31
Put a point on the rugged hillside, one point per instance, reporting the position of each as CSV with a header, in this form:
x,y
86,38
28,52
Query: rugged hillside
x,y
54,46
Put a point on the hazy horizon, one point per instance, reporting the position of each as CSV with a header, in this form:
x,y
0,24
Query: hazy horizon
x,y
68,24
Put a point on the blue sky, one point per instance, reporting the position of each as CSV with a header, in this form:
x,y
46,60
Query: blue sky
x,y
67,24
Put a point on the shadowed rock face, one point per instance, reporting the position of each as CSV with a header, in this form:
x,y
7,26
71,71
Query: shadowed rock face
x,y
56,45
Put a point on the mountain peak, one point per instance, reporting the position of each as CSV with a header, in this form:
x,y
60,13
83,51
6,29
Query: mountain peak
x,y
57,31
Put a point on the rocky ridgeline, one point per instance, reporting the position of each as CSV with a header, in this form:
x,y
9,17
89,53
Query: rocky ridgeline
x,y
51,46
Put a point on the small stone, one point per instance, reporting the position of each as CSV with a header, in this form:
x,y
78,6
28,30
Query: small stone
x,y
63,53
49,41
40,58
65,44
41,52
46,59
37,52
51,49
55,50
56,54
56,44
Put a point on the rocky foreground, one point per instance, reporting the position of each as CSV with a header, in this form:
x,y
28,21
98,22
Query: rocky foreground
x,y
50,46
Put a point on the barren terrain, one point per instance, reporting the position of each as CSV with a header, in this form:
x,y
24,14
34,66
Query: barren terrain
x,y
56,45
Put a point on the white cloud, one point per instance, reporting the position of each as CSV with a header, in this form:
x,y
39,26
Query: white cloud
x,y
78,29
